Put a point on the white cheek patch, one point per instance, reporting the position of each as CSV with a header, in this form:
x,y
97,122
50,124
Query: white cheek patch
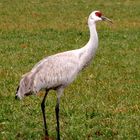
x,y
91,17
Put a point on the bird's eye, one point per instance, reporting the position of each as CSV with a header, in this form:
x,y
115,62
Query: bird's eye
x,y
98,14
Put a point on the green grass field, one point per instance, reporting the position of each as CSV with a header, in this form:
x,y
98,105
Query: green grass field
x,y
103,103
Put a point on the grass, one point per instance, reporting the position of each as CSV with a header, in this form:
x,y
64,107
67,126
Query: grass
x,y
103,103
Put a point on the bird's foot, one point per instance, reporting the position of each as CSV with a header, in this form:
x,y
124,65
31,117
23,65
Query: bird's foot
x,y
47,138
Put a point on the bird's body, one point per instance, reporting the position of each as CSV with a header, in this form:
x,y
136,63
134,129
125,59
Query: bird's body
x,y
52,72
58,71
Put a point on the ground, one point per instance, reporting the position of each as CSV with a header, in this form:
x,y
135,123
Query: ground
x,y
103,103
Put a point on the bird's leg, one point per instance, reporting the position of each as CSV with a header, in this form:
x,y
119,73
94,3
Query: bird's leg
x,y
43,111
57,118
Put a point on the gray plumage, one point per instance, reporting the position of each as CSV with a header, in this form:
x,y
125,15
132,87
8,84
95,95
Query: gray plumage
x,y
54,72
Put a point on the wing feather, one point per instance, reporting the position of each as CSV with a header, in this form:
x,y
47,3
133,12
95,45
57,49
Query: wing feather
x,y
56,70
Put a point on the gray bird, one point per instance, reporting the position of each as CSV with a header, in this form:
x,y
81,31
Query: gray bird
x,y
57,71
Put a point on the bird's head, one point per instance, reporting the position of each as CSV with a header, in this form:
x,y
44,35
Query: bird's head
x,y
97,16
18,93
23,89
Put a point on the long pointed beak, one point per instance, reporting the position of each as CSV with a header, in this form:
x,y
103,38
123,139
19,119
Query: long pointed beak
x,y
106,19
16,97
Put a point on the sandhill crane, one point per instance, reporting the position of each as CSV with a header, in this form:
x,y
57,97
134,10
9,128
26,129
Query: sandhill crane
x,y
56,72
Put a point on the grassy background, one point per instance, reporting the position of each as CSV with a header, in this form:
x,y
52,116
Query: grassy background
x,y
104,102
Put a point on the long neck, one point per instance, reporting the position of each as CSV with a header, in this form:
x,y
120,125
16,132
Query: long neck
x,y
93,40
88,51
